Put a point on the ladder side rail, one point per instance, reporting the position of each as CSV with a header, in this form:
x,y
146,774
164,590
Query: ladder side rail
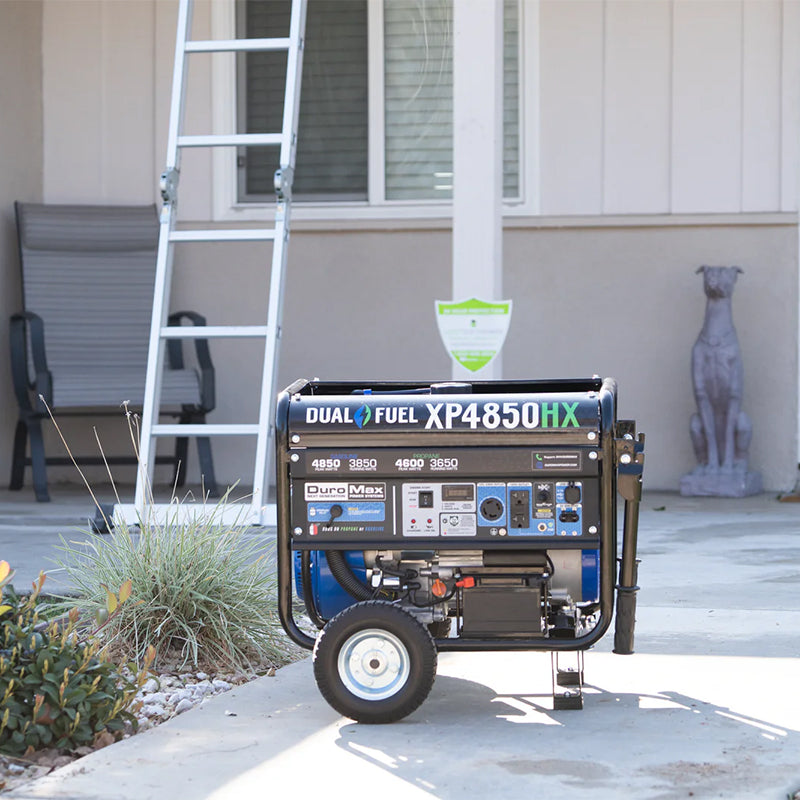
x,y
155,359
178,94
294,80
264,454
291,113
164,262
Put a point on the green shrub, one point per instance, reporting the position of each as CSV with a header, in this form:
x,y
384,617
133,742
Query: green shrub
x,y
56,688
201,591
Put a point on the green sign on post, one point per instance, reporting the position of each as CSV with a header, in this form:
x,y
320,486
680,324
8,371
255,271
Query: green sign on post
x,y
473,331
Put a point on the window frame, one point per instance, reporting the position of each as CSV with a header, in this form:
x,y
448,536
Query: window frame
x,y
226,206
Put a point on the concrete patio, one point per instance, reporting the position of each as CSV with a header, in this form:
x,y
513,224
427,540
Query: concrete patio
x,y
707,707
31,533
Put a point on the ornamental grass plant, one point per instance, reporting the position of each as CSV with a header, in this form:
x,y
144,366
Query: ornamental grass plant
x,y
203,592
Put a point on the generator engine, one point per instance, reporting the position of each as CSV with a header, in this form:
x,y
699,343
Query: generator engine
x,y
417,518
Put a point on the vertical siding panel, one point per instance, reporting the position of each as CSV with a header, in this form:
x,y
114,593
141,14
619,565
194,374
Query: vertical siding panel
x,y
761,100
571,107
637,107
790,106
71,100
707,108
127,100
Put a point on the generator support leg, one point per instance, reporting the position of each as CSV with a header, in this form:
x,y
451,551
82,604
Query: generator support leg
x,y
630,487
571,680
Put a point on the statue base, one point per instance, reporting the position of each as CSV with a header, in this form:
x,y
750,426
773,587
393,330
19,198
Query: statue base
x,y
703,482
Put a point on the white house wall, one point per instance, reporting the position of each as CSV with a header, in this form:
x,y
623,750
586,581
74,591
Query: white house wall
x,y
20,169
635,119
668,106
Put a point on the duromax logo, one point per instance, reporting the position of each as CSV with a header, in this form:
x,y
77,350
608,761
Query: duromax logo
x,y
363,416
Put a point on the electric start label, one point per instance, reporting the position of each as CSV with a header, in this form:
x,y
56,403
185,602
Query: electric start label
x,y
341,491
349,512
562,412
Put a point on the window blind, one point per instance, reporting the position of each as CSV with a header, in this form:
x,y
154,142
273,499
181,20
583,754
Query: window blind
x,y
418,66
332,128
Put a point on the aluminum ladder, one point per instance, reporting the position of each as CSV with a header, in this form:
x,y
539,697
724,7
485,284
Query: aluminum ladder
x,y
256,511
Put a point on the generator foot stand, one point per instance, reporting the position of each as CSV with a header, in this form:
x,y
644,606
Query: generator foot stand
x,y
571,680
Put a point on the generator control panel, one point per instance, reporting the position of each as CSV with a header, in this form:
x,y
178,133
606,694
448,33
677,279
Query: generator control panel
x,y
439,464
485,494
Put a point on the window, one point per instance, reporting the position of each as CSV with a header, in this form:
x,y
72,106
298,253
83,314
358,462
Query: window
x,y
332,129
414,111
418,99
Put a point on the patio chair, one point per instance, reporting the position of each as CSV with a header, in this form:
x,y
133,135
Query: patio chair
x,y
81,341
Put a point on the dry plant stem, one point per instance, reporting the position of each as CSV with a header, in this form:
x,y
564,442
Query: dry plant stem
x,y
75,463
108,467
135,434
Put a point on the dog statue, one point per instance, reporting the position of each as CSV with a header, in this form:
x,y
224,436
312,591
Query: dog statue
x,y
721,431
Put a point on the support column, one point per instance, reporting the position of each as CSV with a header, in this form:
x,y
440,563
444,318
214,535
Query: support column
x,y
478,158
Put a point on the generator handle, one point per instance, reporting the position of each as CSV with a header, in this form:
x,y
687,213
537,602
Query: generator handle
x,y
284,548
630,465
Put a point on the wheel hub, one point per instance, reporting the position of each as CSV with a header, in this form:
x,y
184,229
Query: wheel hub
x,y
373,664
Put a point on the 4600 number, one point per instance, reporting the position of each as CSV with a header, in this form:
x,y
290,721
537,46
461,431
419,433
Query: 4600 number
x,y
410,464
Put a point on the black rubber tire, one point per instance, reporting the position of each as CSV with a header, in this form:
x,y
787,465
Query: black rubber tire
x,y
441,628
405,637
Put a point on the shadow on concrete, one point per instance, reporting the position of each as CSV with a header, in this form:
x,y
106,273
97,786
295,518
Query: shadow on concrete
x,y
467,740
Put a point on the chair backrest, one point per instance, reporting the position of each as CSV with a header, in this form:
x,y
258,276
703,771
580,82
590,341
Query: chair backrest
x,y
89,272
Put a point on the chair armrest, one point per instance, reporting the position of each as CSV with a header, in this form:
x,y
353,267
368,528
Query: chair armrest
x,y
208,398
22,325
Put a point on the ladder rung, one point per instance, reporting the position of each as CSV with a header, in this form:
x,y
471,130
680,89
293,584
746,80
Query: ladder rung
x,y
235,45
205,430
213,331
230,140
224,235
182,513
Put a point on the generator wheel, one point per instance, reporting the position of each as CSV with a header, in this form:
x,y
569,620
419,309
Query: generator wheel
x,y
374,662
441,628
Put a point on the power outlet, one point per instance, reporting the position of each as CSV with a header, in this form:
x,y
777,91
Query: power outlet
x,y
519,501
491,509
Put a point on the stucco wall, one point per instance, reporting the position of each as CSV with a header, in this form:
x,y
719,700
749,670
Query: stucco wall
x,y
619,301
626,302
20,170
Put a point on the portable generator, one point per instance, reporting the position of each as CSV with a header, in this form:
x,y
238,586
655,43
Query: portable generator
x,y
417,518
